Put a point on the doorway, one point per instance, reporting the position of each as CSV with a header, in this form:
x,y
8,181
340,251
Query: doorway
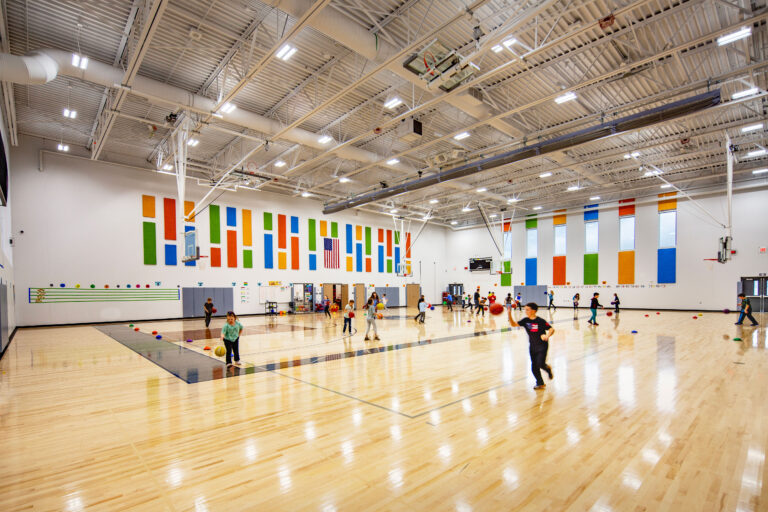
x,y
412,295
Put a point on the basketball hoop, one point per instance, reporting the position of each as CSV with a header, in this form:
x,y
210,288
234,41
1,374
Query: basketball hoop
x,y
429,68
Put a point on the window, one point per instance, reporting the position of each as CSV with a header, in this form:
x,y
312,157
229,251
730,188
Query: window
x,y
591,237
533,242
667,229
560,240
627,233
507,236
755,287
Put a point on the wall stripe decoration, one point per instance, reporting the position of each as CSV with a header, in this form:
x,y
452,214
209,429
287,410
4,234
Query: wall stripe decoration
x,y
323,228
169,218
667,256
626,257
312,242
231,248
214,216
590,259
531,263
148,206
268,241
231,217
334,230
189,206
247,239
149,234
294,243
282,242
558,261
380,250
368,249
389,251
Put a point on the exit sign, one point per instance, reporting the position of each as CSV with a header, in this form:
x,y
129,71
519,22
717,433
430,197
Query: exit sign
x,y
763,250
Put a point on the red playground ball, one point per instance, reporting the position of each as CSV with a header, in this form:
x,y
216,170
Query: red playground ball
x,y
135,328
351,314
610,313
646,316
154,332
658,313
214,310
496,309
695,317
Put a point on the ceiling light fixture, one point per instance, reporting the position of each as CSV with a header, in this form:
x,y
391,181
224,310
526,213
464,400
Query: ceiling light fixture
x,y
572,188
71,114
344,179
168,167
466,209
565,97
228,108
62,147
744,93
453,223
666,185
481,190
393,161
633,154
537,207
734,36
461,136
79,61
492,216
512,200
393,102
509,42
752,127
325,139
594,198
286,52
545,175
759,171
433,201
393,210
279,163
757,152
193,142
497,48
305,194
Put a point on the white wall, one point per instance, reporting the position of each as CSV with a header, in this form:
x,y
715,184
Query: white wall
x,y
700,284
82,224
6,233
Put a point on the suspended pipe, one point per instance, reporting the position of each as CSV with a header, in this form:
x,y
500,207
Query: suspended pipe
x,y
632,122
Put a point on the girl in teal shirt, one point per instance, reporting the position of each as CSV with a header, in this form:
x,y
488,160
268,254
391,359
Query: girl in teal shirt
x,y
230,335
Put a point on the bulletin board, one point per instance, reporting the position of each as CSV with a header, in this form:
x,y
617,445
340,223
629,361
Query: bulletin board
x,y
274,294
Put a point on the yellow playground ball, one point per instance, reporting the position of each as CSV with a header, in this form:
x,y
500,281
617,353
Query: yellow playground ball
x,y
380,305
77,286
219,351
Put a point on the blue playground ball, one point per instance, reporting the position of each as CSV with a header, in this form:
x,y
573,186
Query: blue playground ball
x,y
158,337
128,285
634,332
432,308
62,285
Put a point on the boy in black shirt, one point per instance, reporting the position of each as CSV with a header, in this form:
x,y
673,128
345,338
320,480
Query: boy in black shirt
x,y
746,310
208,308
539,332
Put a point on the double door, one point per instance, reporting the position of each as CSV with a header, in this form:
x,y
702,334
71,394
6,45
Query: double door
x,y
756,290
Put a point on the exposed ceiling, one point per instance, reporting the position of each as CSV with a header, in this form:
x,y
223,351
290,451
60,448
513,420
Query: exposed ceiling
x,y
349,61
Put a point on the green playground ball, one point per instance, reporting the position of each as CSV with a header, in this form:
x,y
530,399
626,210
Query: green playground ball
x,y
736,339
130,325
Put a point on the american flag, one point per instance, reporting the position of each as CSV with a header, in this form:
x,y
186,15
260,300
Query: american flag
x,y
331,252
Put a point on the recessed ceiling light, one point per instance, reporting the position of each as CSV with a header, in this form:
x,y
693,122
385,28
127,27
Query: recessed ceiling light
x,y
71,114
633,154
545,175
482,189
497,48
493,216
305,194
757,152
393,210
594,198
509,42
537,207
193,142
324,139
752,127
565,97
433,201
745,93
63,147
734,36
79,61
344,179
461,136
393,161
286,52
393,102
279,163
572,188
228,108
453,223
759,171
466,209
666,185
168,167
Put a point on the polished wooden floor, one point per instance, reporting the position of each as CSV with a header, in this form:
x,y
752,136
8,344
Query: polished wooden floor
x,y
674,417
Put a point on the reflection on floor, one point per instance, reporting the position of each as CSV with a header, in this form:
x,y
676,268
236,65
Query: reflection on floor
x,y
435,416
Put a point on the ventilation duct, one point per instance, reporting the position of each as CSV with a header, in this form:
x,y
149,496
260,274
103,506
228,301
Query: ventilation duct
x,y
625,124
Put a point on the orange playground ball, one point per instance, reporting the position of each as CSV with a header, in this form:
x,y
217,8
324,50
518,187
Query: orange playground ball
x,y
379,316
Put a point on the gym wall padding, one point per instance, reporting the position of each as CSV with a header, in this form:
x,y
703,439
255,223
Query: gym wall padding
x,y
193,299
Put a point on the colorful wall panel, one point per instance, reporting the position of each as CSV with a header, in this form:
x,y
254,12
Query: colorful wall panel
x,y
531,264
149,230
247,239
626,258
312,243
558,262
189,219
268,242
214,216
590,259
667,257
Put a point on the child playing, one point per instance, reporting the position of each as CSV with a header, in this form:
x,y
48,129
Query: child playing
x,y
539,333
746,310
552,300
518,302
208,308
347,320
422,310
384,301
481,306
593,308
508,301
615,302
230,335
576,301
371,320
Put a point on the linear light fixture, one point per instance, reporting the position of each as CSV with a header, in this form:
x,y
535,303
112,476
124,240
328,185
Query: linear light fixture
x,y
537,207
461,136
759,171
594,198
286,52
497,48
393,161
168,167
344,179
757,152
279,163
466,209
565,97
193,142
63,147
325,139
393,102
79,61
453,223
545,175
734,36
745,93
433,201
512,200
666,185
228,108
305,194
71,114
492,216
393,210
633,154
752,128
572,188
481,190
509,42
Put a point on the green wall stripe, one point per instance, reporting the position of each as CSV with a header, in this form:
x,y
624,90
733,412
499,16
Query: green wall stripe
x,y
507,267
312,235
334,230
150,244
590,269
397,237
368,241
506,279
267,221
389,266
248,258
215,219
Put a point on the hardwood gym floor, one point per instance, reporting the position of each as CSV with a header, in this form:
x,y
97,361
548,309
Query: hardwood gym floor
x,y
444,417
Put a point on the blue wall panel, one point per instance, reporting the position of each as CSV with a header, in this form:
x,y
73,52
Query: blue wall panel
x,y
381,259
359,258
268,252
667,266
313,262
170,254
231,217
530,271
349,238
